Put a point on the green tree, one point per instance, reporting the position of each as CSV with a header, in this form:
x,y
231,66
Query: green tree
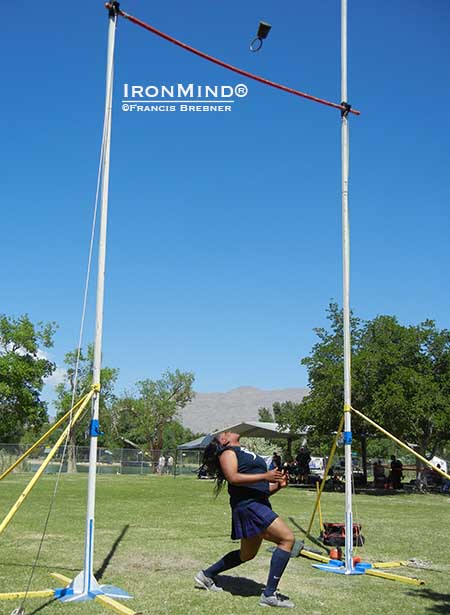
x,y
144,416
69,389
281,413
322,408
23,369
265,415
174,433
400,379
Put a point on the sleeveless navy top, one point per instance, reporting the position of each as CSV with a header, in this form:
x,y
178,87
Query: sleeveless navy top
x,y
248,463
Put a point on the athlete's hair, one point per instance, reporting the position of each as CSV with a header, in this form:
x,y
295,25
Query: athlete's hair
x,y
212,464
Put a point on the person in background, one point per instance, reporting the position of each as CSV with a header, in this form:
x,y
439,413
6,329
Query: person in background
x,y
436,478
445,483
379,477
303,458
396,472
170,464
161,464
202,472
293,471
276,461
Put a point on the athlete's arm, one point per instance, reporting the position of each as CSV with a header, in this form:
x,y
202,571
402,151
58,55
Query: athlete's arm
x,y
229,466
274,487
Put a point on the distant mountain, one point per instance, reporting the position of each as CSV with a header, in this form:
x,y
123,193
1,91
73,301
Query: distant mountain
x,y
212,411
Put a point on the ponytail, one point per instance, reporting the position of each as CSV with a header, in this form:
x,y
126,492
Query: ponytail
x,y
212,464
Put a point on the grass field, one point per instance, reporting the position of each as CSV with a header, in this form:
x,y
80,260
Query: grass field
x,y
154,533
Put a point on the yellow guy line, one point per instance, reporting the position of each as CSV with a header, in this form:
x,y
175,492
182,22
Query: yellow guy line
x,y
43,593
319,508
327,469
388,564
393,577
315,556
43,438
45,463
400,443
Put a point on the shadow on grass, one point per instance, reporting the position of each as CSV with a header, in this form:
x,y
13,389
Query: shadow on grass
x,y
98,574
441,601
239,586
382,492
51,567
42,607
156,538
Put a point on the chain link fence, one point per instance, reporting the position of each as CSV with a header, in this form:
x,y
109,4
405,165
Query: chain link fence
x,y
188,462
109,461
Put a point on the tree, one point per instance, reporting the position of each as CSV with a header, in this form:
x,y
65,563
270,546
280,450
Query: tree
x,y
174,434
281,413
23,369
323,407
403,378
400,379
69,389
265,415
145,415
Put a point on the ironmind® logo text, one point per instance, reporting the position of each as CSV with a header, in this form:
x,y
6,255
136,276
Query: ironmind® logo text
x,y
181,97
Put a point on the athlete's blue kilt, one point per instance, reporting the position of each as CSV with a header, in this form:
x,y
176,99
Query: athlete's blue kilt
x,y
251,518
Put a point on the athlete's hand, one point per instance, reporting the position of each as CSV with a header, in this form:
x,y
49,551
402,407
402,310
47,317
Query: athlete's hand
x,y
284,481
274,476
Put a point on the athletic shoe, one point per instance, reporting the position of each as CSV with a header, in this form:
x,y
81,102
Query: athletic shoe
x,y
204,582
276,599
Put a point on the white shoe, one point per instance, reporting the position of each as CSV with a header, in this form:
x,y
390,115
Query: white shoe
x,y
204,582
276,599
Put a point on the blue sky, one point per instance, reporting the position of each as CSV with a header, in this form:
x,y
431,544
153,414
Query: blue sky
x,y
224,245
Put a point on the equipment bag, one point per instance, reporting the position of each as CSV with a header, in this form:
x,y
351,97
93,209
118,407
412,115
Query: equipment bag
x,y
334,534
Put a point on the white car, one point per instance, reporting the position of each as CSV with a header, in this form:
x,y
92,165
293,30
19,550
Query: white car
x,y
317,466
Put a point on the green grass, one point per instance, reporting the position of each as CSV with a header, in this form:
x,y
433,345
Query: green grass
x,y
173,527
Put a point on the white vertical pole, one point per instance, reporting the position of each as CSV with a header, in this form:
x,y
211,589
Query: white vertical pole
x,y
346,299
90,515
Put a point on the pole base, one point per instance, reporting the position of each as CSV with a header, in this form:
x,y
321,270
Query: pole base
x,y
67,594
103,594
338,567
85,587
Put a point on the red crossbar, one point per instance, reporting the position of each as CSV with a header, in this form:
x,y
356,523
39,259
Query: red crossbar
x,y
240,71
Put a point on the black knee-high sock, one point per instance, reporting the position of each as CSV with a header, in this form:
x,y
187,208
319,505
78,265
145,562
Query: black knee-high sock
x,y
278,563
230,560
